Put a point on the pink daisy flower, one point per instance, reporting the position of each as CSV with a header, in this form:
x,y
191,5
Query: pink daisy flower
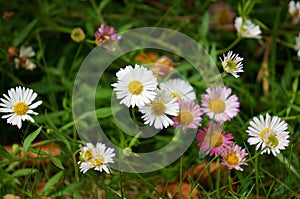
x,y
218,105
234,156
106,33
189,115
213,140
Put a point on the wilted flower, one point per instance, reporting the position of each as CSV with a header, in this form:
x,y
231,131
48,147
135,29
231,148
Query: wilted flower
x,y
77,35
106,33
294,11
23,59
221,15
297,46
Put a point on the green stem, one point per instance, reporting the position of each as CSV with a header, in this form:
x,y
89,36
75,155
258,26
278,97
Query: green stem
x,y
256,175
235,42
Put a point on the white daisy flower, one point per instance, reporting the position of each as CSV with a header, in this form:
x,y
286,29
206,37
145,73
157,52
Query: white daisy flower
x,y
23,58
156,112
178,88
294,11
232,63
96,157
18,103
297,46
246,28
135,86
270,134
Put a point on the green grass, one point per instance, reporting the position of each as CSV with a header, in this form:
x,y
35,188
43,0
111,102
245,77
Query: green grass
x,y
47,25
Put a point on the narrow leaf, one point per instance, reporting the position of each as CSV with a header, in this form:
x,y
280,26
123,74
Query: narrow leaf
x,y
29,140
24,33
57,162
5,153
53,181
24,172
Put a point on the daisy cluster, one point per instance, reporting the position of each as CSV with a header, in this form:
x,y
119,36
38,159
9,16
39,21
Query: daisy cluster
x,y
169,103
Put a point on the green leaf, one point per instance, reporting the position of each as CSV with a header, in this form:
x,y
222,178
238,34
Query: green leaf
x,y
103,4
295,84
24,33
103,112
57,162
52,181
24,172
29,140
5,153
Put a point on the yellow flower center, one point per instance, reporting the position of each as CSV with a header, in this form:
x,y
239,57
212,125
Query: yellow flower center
x,y
176,95
88,155
185,117
272,141
135,87
97,161
231,65
263,132
217,106
214,140
21,108
232,159
158,108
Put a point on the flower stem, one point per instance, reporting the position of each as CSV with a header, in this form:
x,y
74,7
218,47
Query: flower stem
x,y
235,42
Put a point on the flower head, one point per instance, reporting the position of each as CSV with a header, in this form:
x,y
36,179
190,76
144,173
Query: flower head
x,y
218,105
23,59
189,115
77,35
269,133
246,28
178,88
156,112
232,63
96,157
233,157
297,46
106,33
294,11
161,66
135,86
18,105
213,140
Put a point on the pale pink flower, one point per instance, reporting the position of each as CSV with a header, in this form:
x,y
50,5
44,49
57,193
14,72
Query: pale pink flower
x,y
234,156
189,115
213,140
218,105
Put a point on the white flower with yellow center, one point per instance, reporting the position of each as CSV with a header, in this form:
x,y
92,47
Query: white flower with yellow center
x,y
232,63
135,86
18,105
270,134
96,157
156,112
178,88
246,28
